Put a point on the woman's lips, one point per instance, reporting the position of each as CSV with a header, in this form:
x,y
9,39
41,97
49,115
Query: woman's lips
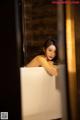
x,y
50,57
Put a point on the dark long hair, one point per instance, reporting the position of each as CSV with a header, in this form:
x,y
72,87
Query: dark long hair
x,y
47,44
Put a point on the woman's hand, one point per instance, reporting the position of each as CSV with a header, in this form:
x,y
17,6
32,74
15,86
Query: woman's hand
x,y
48,65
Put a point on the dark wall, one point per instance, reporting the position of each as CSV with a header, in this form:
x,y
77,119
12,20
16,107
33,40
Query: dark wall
x,y
77,44
9,74
39,24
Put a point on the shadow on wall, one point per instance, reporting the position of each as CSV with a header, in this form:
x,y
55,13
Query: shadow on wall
x,y
72,85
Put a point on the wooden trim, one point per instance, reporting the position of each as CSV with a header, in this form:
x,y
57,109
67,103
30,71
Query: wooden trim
x,y
71,60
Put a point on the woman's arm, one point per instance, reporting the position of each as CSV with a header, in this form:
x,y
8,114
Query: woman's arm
x,y
33,63
41,61
49,67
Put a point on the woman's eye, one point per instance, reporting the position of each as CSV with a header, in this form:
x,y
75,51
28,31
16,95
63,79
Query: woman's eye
x,y
50,50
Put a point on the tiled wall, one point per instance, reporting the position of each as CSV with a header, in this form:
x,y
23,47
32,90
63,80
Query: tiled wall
x,y
40,22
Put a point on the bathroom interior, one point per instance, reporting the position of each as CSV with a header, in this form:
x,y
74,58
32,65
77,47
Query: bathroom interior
x,y
44,97
30,93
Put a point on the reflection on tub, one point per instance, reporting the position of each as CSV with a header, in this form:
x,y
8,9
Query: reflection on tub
x,y
40,97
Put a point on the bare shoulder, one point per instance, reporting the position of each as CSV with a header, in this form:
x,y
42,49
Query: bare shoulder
x,y
34,62
42,60
39,57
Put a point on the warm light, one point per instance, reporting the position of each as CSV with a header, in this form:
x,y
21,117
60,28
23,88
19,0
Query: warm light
x,y
71,60
70,37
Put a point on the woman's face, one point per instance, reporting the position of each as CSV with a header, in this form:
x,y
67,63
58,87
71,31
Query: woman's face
x,y
50,52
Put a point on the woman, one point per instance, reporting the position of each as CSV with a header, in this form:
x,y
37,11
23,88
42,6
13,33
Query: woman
x,y
46,59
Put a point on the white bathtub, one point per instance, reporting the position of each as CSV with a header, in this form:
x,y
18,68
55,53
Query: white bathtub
x,y
41,99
